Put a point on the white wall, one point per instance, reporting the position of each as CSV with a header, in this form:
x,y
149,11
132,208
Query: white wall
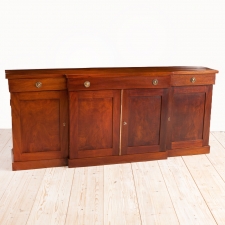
x,y
94,33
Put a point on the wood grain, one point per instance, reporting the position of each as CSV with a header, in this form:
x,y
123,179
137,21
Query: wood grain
x,y
44,137
143,121
154,200
185,195
119,196
186,144
121,71
210,184
181,80
6,157
125,82
24,85
220,136
86,205
38,164
106,160
94,123
5,135
50,206
194,185
188,151
171,113
21,201
188,116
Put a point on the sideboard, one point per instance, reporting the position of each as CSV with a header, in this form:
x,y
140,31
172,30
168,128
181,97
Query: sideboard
x,y
99,116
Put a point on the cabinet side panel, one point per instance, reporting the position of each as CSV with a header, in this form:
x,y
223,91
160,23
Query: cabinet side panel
x,y
16,131
207,115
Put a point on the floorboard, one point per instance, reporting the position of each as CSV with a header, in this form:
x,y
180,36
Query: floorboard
x,y
5,135
180,190
86,199
120,199
154,200
51,203
187,199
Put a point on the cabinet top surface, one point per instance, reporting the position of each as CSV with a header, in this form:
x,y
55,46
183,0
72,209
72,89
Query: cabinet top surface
x,y
104,71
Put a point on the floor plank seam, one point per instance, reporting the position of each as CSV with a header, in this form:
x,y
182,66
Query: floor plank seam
x,y
199,189
210,160
1,150
168,191
215,168
35,197
217,139
7,186
136,193
69,195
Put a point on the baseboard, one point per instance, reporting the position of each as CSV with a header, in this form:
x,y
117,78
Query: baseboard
x,y
117,159
39,164
189,151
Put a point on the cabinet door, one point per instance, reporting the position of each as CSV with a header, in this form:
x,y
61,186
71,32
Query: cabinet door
x,y
94,123
189,117
40,125
144,120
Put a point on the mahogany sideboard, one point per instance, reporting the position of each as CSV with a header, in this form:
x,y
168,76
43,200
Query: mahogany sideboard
x,y
98,116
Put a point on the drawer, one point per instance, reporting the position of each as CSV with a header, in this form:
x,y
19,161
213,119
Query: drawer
x,y
75,83
42,84
183,80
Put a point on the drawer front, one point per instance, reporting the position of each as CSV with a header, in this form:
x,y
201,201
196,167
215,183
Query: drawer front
x,y
98,83
42,84
183,80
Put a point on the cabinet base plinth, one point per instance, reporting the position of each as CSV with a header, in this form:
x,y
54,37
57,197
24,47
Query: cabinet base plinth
x,y
117,159
188,151
39,164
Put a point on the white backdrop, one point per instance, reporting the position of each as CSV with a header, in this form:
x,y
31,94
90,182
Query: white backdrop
x,y
94,33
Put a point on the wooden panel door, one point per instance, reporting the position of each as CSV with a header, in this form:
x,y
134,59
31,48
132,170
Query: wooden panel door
x,y
40,125
94,123
144,120
189,117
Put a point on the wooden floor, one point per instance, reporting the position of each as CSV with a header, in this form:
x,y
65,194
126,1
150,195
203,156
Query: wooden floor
x,y
180,190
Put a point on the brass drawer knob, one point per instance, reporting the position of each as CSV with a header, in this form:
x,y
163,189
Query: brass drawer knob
x,y
155,82
38,84
87,84
193,79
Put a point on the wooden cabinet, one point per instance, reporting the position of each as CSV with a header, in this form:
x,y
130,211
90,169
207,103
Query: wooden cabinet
x,y
98,116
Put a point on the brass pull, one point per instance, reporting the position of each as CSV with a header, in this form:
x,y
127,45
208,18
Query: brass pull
x,y
155,82
87,84
193,79
124,123
38,84
64,124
